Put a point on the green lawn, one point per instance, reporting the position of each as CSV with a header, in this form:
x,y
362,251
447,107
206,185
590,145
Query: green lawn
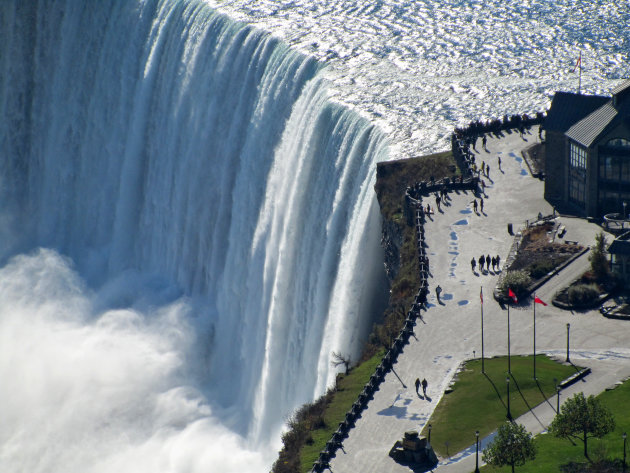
x,y
348,389
479,402
554,454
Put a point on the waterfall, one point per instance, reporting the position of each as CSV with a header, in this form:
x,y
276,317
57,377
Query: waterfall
x,y
181,184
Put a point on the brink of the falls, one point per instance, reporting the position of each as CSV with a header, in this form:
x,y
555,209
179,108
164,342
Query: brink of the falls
x,y
188,230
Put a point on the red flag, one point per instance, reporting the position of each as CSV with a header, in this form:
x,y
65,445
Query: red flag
x,y
481,295
512,295
538,300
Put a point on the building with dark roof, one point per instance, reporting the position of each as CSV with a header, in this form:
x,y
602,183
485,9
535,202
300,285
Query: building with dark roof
x,y
587,152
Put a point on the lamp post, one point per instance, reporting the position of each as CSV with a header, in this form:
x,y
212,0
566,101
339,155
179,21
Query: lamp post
x,y
558,400
477,451
568,331
429,439
509,414
624,448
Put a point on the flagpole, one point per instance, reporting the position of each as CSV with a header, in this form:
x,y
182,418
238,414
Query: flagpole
x,y
509,363
534,336
483,370
580,80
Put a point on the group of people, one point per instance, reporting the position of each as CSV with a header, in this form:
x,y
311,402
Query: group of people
x,y
424,386
475,206
487,260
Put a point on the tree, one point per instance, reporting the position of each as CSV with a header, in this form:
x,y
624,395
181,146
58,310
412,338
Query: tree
x,y
338,359
513,446
581,418
599,262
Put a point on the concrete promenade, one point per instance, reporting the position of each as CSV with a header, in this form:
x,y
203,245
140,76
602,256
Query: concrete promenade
x,y
449,333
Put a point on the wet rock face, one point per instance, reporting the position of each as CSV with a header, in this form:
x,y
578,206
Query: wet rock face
x,y
391,240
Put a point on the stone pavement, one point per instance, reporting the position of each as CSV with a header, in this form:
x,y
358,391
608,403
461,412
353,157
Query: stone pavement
x,y
449,333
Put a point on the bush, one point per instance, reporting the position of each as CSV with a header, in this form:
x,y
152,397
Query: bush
x,y
518,281
583,294
540,268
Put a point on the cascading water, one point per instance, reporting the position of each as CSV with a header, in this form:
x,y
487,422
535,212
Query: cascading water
x,y
220,237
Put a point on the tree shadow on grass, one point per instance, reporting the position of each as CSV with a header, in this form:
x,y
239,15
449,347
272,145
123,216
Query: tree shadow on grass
x,y
599,466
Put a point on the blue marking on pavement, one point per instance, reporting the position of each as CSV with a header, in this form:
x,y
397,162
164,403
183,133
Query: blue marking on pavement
x,y
463,302
465,211
454,236
447,297
462,222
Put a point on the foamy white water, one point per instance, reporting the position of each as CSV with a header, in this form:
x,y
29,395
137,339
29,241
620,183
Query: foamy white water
x,y
206,211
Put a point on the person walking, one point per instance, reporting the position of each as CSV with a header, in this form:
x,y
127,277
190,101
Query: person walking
x,y
481,202
498,262
475,205
484,141
488,171
417,386
483,167
473,264
438,291
424,386
488,259
494,263
499,162
481,261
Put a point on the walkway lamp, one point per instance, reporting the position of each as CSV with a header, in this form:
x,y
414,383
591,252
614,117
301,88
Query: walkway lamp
x,y
477,450
568,331
509,414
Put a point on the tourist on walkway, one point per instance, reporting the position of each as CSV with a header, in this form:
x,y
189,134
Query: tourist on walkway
x,y
481,202
499,161
424,386
483,141
488,171
473,264
438,291
498,261
494,263
488,259
417,386
475,205
481,261
483,167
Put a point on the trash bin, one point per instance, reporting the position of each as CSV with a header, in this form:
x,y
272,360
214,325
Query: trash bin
x,y
510,229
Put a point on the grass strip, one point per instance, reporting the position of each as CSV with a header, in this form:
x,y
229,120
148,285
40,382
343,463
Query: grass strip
x,y
346,393
479,401
606,454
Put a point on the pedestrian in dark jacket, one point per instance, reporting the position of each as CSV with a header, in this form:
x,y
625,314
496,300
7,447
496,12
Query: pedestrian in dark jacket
x,y
488,259
481,261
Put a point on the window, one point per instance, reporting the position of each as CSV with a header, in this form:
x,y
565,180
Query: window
x,y
578,157
618,143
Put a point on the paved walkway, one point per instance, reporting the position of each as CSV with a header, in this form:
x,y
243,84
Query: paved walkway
x,y
450,332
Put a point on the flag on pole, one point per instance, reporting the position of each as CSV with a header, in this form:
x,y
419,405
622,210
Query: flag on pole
x,y
538,300
512,295
481,295
578,63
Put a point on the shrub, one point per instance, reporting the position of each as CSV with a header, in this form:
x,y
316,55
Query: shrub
x,y
540,268
518,281
599,262
583,294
